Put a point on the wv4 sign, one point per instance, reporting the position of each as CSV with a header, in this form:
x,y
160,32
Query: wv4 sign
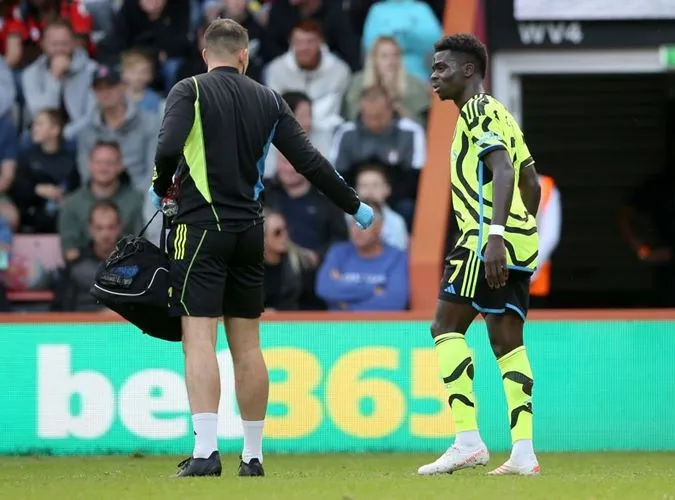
x,y
106,388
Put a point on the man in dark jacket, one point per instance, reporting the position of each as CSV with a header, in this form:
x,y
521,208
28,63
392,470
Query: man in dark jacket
x,y
337,28
105,226
46,173
314,223
159,26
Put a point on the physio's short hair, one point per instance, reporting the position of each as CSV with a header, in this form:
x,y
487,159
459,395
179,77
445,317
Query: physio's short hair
x,y
467,44
225,36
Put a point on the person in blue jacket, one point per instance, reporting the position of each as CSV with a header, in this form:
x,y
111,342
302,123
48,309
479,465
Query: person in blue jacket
x,y
364,274
414,26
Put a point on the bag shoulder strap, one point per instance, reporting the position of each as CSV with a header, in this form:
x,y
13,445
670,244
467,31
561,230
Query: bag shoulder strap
x,y
165,226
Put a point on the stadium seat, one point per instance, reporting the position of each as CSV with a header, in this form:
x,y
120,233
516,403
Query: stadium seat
x,y
44,249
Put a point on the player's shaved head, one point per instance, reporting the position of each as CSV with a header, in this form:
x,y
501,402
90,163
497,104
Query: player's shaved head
x,y
467,45
225,37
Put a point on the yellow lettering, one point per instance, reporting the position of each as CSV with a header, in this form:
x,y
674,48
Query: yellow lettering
x,y
303,409
427,385
346,390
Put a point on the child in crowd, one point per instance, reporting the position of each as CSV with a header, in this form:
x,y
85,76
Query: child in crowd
x,y
46,172
138,73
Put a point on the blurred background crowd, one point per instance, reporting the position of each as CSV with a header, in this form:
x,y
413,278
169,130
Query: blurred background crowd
x,y
83,89
83,84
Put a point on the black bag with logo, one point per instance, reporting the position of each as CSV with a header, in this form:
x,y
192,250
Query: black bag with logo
x,y
134,282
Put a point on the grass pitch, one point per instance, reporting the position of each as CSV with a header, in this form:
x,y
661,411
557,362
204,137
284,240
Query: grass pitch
x,y
339,477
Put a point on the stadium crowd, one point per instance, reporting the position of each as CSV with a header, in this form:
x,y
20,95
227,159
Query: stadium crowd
x,y
83,88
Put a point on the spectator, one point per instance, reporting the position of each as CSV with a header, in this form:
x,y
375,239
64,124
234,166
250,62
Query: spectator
x,y
286,266
413,24
364,274
261,10
159,26
106,168
340,37
238,10
314,222
372,184
380,135
311,68
116,118
358,10
137,74
23,27
8,158
409,96
46,173
61,79
8,86
301,106
102,14
104,229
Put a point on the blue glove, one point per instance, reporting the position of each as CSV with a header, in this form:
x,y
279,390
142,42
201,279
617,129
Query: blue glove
x,y
364,216
154,198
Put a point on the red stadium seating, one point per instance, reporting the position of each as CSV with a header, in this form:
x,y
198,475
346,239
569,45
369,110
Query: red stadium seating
x,y
46,249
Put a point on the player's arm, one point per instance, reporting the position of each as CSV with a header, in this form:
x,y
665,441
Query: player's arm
x,y
179,115
503,179
487,136
292,141
530,190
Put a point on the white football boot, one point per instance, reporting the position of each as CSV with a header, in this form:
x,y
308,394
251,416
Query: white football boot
x,y
511,468
456,458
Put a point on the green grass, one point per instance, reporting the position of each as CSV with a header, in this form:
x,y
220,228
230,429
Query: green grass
x,y
342,477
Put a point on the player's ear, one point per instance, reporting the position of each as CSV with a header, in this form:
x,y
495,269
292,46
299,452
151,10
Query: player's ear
x,y
469,69
205,57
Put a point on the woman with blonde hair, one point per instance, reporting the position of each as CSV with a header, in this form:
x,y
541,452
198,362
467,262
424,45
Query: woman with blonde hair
x,y
286,265
384,68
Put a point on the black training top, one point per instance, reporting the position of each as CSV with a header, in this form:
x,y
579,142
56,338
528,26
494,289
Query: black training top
x,y
216,133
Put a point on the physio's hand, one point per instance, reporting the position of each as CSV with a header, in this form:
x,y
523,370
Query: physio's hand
x,y
364,216
154,198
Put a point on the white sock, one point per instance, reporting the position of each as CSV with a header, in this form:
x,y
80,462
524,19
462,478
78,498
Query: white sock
x,y
523,452
253,435
469,439
206,434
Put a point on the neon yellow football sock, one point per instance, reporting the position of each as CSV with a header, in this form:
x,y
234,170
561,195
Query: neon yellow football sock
x,y
456,365
518,382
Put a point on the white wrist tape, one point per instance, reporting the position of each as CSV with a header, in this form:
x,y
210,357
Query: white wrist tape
x,y
496,230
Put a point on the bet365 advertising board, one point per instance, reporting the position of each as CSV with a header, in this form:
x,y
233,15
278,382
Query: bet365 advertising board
x,y
335,387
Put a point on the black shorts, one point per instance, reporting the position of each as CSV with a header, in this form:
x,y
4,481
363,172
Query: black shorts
x,y
464,283
216,273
